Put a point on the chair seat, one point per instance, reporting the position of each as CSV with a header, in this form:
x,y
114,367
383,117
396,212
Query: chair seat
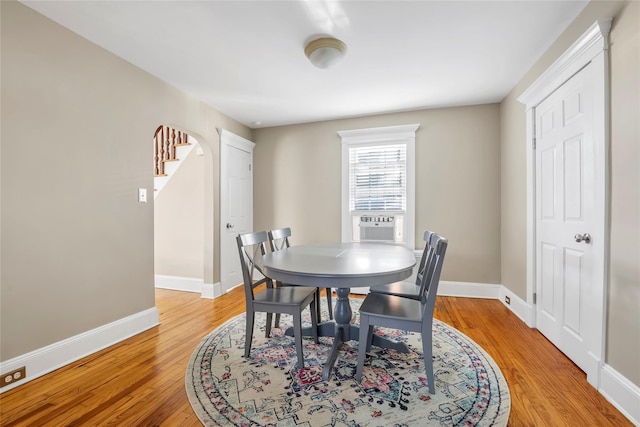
x,y
392,307
290,295
401,289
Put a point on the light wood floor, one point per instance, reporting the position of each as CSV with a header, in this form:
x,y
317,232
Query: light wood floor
x,y
140,382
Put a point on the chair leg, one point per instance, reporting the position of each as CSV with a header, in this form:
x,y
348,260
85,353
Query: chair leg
x,y
297,336
248,333
365,330
427,351
268,325
277,325
328,292
314,320
317,307
369,336
267,329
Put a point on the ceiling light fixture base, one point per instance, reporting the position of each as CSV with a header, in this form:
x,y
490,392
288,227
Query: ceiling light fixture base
x,y
325,52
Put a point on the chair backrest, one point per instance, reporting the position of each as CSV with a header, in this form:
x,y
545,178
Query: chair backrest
x,y
429,262
425,254
431,278
279,239
251,246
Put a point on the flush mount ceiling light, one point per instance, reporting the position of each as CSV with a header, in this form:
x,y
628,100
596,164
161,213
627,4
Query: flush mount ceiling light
x,y
325,52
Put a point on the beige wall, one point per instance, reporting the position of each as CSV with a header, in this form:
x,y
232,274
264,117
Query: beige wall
x,y
623,351
77,128
297,182
623,337
179,221
513,233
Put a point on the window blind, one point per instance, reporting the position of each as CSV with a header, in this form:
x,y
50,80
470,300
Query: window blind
x,y
378,178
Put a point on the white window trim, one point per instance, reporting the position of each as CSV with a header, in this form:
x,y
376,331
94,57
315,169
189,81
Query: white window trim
x,y
402,134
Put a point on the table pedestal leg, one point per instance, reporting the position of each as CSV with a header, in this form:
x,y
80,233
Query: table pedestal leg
x,y
342,313
342,330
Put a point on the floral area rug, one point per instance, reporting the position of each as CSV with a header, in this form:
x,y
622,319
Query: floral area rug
x,y
268,388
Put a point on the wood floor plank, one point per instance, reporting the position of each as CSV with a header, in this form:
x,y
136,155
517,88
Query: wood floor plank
x,y
140,381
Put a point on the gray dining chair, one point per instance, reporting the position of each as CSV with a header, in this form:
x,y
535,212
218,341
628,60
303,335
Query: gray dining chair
x,y
289,300
406,314
409,289
279,239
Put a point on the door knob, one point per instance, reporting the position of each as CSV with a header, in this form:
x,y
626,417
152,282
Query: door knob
x,y
586,237
229,225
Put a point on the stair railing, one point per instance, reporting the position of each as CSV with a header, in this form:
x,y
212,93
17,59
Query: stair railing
x,y
165,141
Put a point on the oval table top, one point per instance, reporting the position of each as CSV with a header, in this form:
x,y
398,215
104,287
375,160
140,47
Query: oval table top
x,y
340,265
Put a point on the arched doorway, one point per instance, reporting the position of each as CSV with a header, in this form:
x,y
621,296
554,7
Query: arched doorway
x,y
183,214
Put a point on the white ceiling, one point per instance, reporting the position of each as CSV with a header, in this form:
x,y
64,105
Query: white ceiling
x,y
246,58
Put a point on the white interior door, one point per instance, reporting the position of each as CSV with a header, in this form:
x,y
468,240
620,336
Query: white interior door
x,y
567,193
565,220
236,203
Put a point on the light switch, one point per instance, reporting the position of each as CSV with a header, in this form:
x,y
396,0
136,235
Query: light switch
x,y
142,195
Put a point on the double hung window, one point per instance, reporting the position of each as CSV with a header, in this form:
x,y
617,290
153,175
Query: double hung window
x,y
378,178
378,189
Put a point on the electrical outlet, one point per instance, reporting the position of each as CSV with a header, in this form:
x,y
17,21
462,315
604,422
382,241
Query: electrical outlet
x,y
13,376
507,300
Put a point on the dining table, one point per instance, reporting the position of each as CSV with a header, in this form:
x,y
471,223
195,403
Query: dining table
x,y
341,266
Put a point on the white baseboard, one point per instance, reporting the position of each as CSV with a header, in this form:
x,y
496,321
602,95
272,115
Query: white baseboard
x,y
518,306
47,359
455,289
211,290
176,283
469,290
621,392
188,284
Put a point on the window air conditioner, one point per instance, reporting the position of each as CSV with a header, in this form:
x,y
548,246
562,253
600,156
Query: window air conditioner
x,y
378,228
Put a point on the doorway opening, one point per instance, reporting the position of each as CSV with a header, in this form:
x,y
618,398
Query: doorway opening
x,y
183,241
